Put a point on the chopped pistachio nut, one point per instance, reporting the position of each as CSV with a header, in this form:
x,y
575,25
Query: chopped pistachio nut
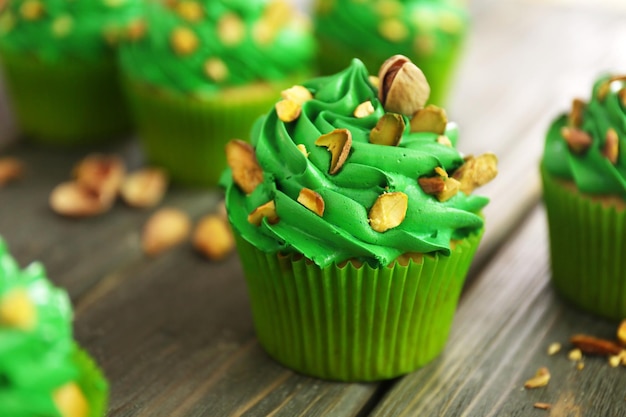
x,y
621,333
339,143
554,348
575,117
165,229
62,25
388,211
278,13
298,94
580,366
11,169
191,11
541,379
215,69
577,140
476,172
424,44
288,110
444,140
264,210
70,401
393,30
575,355
213,237
450,23
611,146
388,8
136,30
302,148
603,90
388,130
363,110
615,361
430,119
184,41
263,33
622,96
18,310
374,80
311,200
7,22
32,9
246,171
230,29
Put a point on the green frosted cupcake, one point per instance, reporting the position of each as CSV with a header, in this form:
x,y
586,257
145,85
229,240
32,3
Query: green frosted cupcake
x,y
584,191
430,32
203,71
44,372
355,225
60,68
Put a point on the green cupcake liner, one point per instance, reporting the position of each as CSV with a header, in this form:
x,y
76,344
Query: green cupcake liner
x,y
438,70
187,135
352,323
66,104
92,383
587,246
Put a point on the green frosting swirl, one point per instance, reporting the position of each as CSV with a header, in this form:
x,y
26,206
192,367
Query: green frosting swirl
x,y
420,29
57,30
592,172
234,42
34,362
343,232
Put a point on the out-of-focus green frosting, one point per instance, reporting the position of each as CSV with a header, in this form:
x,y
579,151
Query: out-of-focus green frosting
x,y
592,172
419,29
264,41
34,362
343,232
59,30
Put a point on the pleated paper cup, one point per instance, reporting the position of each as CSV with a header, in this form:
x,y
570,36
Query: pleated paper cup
x,y
587,247
186,135
67,103
353,323
92,383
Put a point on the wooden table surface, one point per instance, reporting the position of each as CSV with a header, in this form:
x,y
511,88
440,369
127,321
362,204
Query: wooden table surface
x,y
175,336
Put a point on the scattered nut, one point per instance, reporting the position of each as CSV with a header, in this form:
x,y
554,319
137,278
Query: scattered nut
x,y
388,130
590,345
298,94
288,110
388,211
144,188
430,119
575,355
18,310
213,237
11,169
302,148
580,366
575,118
615,361
554,348
611,146
311,200
542,406
32,9
339,143
191,11
541,379
363,110
404,88
216,69
621,333
184,41
265,210
241,159
70,401
165,229
102,174
444,140
74,200
441,186
476,172
230,29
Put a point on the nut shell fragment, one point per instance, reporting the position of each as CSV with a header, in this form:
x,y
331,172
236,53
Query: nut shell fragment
x,y
165,229
339,143
241,159
430,119
264,210
403,86
541,379
388,130
388,211
213,237
144,188
312,200
11,169
476,172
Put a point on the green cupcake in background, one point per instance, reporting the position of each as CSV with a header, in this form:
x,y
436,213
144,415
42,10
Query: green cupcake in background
x,y
43,371
355,224
584,191
203,71
60,68
430,32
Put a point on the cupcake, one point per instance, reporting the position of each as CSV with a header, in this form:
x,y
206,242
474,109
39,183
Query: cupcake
x,y
430,32
355,223
200,73
60,68
584,190
43,371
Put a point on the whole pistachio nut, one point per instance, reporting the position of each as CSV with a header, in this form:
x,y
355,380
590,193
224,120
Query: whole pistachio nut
x,y
403,86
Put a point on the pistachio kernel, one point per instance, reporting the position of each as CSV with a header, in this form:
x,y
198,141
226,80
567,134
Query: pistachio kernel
x,y
213,237
288,110
267,210
11,169
165,229
450,23
611,146
191,11
575,117
32,9
230,29
388,130
18,310
70,401
444,140
476,172
603,90
339,143
424,45
311,200
184,41
72,199
374,81
246,171
302,148
278,13
215,69
298,94
622,96
393,30
541,379
263,33
577,140
404,88
62,25
388,211
388,8
363,110
430,119
621,333
144,188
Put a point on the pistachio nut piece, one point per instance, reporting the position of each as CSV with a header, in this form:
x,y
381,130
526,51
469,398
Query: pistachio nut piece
x,y
403,86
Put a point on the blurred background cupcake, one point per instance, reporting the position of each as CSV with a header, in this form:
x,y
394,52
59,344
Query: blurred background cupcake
x,y
60,67
200,72
584,191
430,32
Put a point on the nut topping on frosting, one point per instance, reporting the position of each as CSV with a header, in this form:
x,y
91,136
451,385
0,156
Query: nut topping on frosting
x,y
184,41
611,146
441,186
298,94
191,11
311,200
338,142
404,88
393,30
476,172
288,110
578,140
302,148
17,310
32,9
388,131
575,118
70,401
363,110
388,211
430,119
230,29
215,69
444,140
241,158
264,210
